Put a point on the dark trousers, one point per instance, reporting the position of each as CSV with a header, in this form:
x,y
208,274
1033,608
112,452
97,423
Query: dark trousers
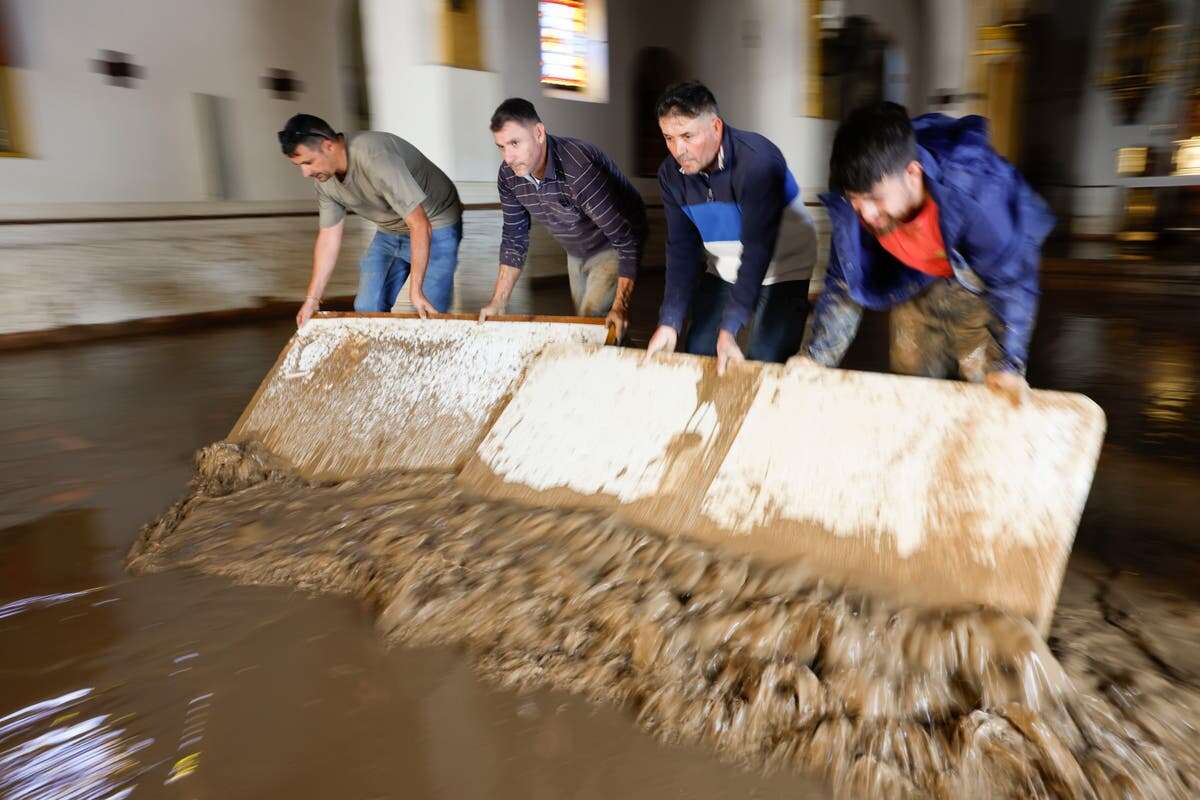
x,y
776,327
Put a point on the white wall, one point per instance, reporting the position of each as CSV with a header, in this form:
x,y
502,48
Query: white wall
x,y
93,143
144,144
754,56
903,23
513,46
948,27
784,54
445,111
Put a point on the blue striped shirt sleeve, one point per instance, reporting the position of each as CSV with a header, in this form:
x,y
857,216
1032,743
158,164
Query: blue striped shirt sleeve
x,y
514,239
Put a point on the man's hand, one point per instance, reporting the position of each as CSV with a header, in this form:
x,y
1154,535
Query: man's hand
x,y
492,309
618,315
310,307
663,340
1010,384
618,320
506,279
728,351
803,362
424,308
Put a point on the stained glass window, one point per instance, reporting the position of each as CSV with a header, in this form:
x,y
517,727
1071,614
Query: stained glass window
x,y
563,28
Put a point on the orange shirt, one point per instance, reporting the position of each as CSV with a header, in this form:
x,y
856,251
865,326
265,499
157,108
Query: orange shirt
x,y
918,244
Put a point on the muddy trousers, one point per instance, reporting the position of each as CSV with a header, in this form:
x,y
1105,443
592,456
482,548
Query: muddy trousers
x,y
593,282
943,332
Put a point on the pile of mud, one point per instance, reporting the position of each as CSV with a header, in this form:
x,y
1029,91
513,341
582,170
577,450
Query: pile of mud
x,y
768,665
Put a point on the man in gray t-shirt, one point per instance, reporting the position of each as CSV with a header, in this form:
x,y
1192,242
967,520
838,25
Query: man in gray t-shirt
x,y
386,180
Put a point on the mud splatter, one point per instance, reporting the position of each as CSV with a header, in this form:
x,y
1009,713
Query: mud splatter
x,y
770,666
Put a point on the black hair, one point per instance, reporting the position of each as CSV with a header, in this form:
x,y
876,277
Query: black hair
x,y
514,109
304,129
687,99
872,143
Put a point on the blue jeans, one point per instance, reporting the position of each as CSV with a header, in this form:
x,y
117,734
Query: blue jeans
x,y
384,269
776,328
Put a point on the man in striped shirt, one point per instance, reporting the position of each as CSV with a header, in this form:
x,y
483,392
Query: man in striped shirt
x,y
585,202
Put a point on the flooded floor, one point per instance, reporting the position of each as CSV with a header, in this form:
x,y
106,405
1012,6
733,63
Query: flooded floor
x,y
111,683
769,665
176,685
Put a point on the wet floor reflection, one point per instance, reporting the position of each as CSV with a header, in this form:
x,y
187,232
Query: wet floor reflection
x,y
58,750
176,685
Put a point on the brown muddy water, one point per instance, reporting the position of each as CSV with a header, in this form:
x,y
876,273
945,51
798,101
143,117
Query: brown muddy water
x,y
766,665
180,685
184,686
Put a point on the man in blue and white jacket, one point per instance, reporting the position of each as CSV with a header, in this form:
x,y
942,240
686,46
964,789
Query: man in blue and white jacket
x,y
740,244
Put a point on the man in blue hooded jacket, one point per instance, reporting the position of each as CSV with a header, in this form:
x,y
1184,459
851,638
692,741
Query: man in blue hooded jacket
x,y
930,222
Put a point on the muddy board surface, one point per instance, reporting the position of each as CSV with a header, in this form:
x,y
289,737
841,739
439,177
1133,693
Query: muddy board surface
x,y
351,394
913,490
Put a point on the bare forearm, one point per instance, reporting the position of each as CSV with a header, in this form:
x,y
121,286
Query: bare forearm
x,y
506,280
420,237
325,255
624,293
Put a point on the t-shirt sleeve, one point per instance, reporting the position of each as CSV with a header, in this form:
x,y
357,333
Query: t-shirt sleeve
x,y
396,183
331,211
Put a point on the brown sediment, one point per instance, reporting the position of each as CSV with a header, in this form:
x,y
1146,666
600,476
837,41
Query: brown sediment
x,y
767,664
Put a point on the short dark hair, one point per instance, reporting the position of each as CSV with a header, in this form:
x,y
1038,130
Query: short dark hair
x,y
514,109
304,129
872,143
687,99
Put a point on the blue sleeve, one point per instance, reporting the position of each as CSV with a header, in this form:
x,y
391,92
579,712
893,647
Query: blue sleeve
x,y
685,257
761,190
514,237
1003,240
1015,309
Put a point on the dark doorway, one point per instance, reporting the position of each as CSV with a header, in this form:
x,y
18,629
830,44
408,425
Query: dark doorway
x,y
656,68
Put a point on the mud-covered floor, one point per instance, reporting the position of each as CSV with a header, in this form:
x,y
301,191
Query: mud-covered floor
x,y
238,692
770,666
